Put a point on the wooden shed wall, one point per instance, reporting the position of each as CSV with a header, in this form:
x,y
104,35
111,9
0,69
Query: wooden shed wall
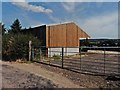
x,y
66,35
56,36
82,34
71,35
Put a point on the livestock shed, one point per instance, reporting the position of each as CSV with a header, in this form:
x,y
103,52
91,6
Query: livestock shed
x,y
59,35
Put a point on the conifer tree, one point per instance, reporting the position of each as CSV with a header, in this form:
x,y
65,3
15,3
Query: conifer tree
x,y
16,26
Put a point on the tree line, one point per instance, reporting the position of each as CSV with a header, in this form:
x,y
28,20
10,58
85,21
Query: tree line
x,y
15,27
14,43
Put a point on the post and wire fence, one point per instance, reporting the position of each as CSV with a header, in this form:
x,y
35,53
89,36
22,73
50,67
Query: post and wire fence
x,y
89,60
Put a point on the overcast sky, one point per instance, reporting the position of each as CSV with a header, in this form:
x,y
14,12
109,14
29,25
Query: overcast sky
x,y
98,19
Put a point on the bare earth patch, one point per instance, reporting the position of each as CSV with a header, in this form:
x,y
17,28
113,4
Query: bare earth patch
x,y
85,80
22,75
16,78
59,77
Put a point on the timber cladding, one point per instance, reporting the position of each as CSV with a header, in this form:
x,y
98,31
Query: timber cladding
x,y
59,35
56,36
64,35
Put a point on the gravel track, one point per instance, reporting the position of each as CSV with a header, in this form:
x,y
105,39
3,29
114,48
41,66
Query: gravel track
x,y
16,78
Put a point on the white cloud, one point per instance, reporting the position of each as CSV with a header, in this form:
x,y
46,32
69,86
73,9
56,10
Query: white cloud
x,y
62,0
69,6
18,0
78,0
54,19
59,19
104,25
25,5
74,0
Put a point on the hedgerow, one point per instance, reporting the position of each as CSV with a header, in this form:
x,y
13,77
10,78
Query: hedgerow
x,y
16,46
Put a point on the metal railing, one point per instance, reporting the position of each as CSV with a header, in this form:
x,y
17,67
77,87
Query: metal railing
x,y
89,60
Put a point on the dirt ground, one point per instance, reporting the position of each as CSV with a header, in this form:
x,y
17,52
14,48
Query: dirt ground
x,y
42,75
85,80
16,78
21,73
88,62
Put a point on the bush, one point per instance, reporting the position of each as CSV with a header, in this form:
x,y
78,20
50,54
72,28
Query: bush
x,y
56,57
16,46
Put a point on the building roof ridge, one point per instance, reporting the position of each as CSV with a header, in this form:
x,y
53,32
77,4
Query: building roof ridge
x,y
60,23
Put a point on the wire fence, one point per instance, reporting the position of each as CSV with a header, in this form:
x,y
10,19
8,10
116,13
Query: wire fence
x,y
89,60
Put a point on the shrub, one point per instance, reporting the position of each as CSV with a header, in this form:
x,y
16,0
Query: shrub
x,y
56,57
16,46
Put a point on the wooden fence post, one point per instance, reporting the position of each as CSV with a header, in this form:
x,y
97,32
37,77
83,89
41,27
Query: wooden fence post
x,y
30,48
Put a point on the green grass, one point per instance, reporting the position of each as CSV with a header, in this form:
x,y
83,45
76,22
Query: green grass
x,y
56,57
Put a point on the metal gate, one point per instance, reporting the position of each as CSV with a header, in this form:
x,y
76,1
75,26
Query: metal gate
x,y
89,60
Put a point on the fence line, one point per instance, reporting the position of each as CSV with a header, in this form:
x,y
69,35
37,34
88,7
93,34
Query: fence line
x,y
78,59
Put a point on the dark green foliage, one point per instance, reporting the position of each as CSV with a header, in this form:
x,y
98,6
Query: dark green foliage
x,y
16,27
100,42
56,57
2,29
15,46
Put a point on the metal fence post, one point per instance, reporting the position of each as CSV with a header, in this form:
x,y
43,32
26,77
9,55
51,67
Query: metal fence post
x,y
80,58
50,54
62,56
40,53
104,61
33,53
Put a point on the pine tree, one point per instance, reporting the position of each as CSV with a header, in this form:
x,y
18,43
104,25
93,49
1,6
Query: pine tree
x,y
16,26
2,29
